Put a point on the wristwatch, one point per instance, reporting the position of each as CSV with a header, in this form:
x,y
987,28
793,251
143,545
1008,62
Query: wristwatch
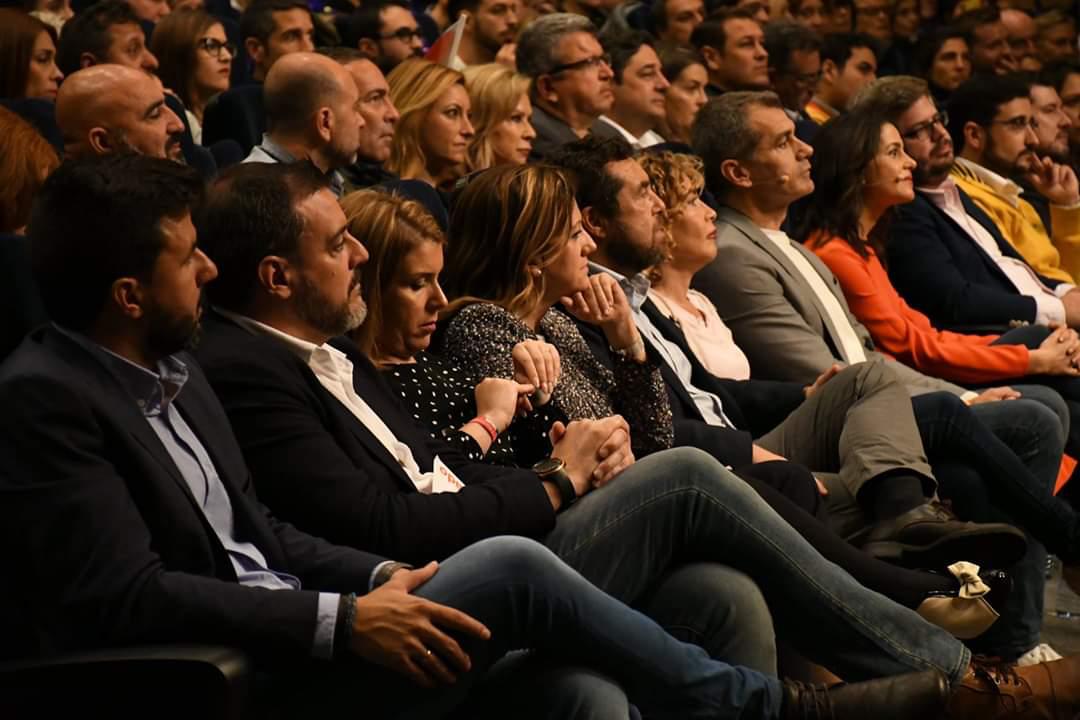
x,y
553,469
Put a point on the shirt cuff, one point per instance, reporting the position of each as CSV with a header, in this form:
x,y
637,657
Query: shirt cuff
x,y
326,620
1049,310
968,396
1063,288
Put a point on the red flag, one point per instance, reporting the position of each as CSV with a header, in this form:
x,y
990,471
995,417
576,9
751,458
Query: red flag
x,y
444,51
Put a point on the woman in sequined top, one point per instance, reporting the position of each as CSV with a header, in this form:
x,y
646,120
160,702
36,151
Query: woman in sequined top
x,y
400,284
517,266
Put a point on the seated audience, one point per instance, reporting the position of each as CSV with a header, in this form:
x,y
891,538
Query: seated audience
x,y
943,59
989,41
107,393
896,57
839,19
790,318
27,57
608,367
953,262
150,12
1053,126
270,358
385,31
107,109
686,72
794,68
639,86
1065,77
1020,33
491,26
840,226
993,135
811,13
872,18
26,159
312,114
673,21
1056,37
194,61
732,44
571,78
431,140
270,30
499,98
848,64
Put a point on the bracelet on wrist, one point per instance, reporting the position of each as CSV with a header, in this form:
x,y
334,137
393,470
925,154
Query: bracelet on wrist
x,y
634,351
489,427
343,627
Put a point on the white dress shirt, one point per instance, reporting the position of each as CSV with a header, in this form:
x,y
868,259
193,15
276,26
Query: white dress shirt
x,y
1048,305
335,373
850,347
647,139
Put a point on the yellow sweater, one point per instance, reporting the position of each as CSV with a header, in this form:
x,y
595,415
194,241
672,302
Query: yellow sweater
x,y
1019,223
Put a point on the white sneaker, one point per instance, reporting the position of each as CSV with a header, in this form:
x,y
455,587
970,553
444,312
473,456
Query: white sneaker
x,y
1038,654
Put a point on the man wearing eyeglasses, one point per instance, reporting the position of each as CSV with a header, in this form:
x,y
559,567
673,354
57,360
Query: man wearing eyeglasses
x,y
950,252
794,68
385,31
572,79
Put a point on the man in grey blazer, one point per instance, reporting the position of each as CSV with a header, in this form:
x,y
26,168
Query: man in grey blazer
x,y
789,316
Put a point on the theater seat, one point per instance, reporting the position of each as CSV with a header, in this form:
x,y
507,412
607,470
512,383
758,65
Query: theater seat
x,y
166,681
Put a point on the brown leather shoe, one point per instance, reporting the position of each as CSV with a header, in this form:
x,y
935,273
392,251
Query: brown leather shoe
x,y
917,695
1047,691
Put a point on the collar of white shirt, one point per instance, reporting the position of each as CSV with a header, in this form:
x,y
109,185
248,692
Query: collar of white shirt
x,y
647,139
1005,188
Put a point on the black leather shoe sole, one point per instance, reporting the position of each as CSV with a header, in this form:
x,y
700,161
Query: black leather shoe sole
x,y
985,547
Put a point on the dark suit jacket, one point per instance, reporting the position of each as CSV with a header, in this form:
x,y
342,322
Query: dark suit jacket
x,y
754,406
104,543
236,114
23,310
940,271
318,466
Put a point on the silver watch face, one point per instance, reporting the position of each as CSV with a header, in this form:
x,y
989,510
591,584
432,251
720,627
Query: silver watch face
x,y
548,466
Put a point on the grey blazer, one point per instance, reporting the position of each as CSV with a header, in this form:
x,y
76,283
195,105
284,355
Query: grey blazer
x,y
774,314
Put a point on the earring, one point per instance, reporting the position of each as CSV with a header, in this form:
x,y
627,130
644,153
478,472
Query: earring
x,y
537,272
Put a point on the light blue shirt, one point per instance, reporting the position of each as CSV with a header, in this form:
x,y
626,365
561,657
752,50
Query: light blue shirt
x,y
269,151
155,394
637,291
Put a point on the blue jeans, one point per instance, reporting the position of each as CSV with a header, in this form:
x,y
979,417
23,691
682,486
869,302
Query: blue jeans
x,y
681,506
529,598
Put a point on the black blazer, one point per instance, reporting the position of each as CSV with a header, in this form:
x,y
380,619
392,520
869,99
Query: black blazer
x,y
939,269
104,543
754,406
236,114
318,466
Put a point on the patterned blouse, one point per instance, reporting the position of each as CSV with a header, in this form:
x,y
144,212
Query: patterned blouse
x,y
441,397
480,338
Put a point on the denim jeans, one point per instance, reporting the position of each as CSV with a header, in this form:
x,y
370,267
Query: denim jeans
x,y
681,506
528,598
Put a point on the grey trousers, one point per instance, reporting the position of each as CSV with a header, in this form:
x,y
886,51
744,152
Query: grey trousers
x,y
858,425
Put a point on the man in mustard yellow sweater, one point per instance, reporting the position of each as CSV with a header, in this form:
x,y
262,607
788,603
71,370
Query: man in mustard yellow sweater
x,y
993,130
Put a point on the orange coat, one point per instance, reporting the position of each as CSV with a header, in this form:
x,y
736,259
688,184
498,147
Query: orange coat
x,y
906,334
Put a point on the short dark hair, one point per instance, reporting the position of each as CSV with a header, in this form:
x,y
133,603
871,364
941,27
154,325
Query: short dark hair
x,y
972,20
1055,75
342,55
257,21
622,44
97,219
711,32
839,47
251,213
585,162
979,99
722,132
454,8
366,21
88,32
782,38
927,48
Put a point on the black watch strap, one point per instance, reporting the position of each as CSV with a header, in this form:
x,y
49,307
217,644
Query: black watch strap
x,y
566,488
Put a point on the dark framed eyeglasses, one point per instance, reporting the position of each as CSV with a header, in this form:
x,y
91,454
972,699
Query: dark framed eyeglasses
x,y
925,130
588,63
404,34
213,47
1020,123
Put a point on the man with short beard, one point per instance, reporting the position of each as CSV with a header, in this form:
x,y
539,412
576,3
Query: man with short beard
x,y
492,25
992,125
106,109
312,113
1052,126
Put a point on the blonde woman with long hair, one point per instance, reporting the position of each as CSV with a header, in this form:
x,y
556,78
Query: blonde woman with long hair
x,y
432,137
500,116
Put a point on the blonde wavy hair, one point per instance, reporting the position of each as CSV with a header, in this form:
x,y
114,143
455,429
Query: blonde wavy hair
x,y
390,227
494,91
676,179
507,221
415,85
